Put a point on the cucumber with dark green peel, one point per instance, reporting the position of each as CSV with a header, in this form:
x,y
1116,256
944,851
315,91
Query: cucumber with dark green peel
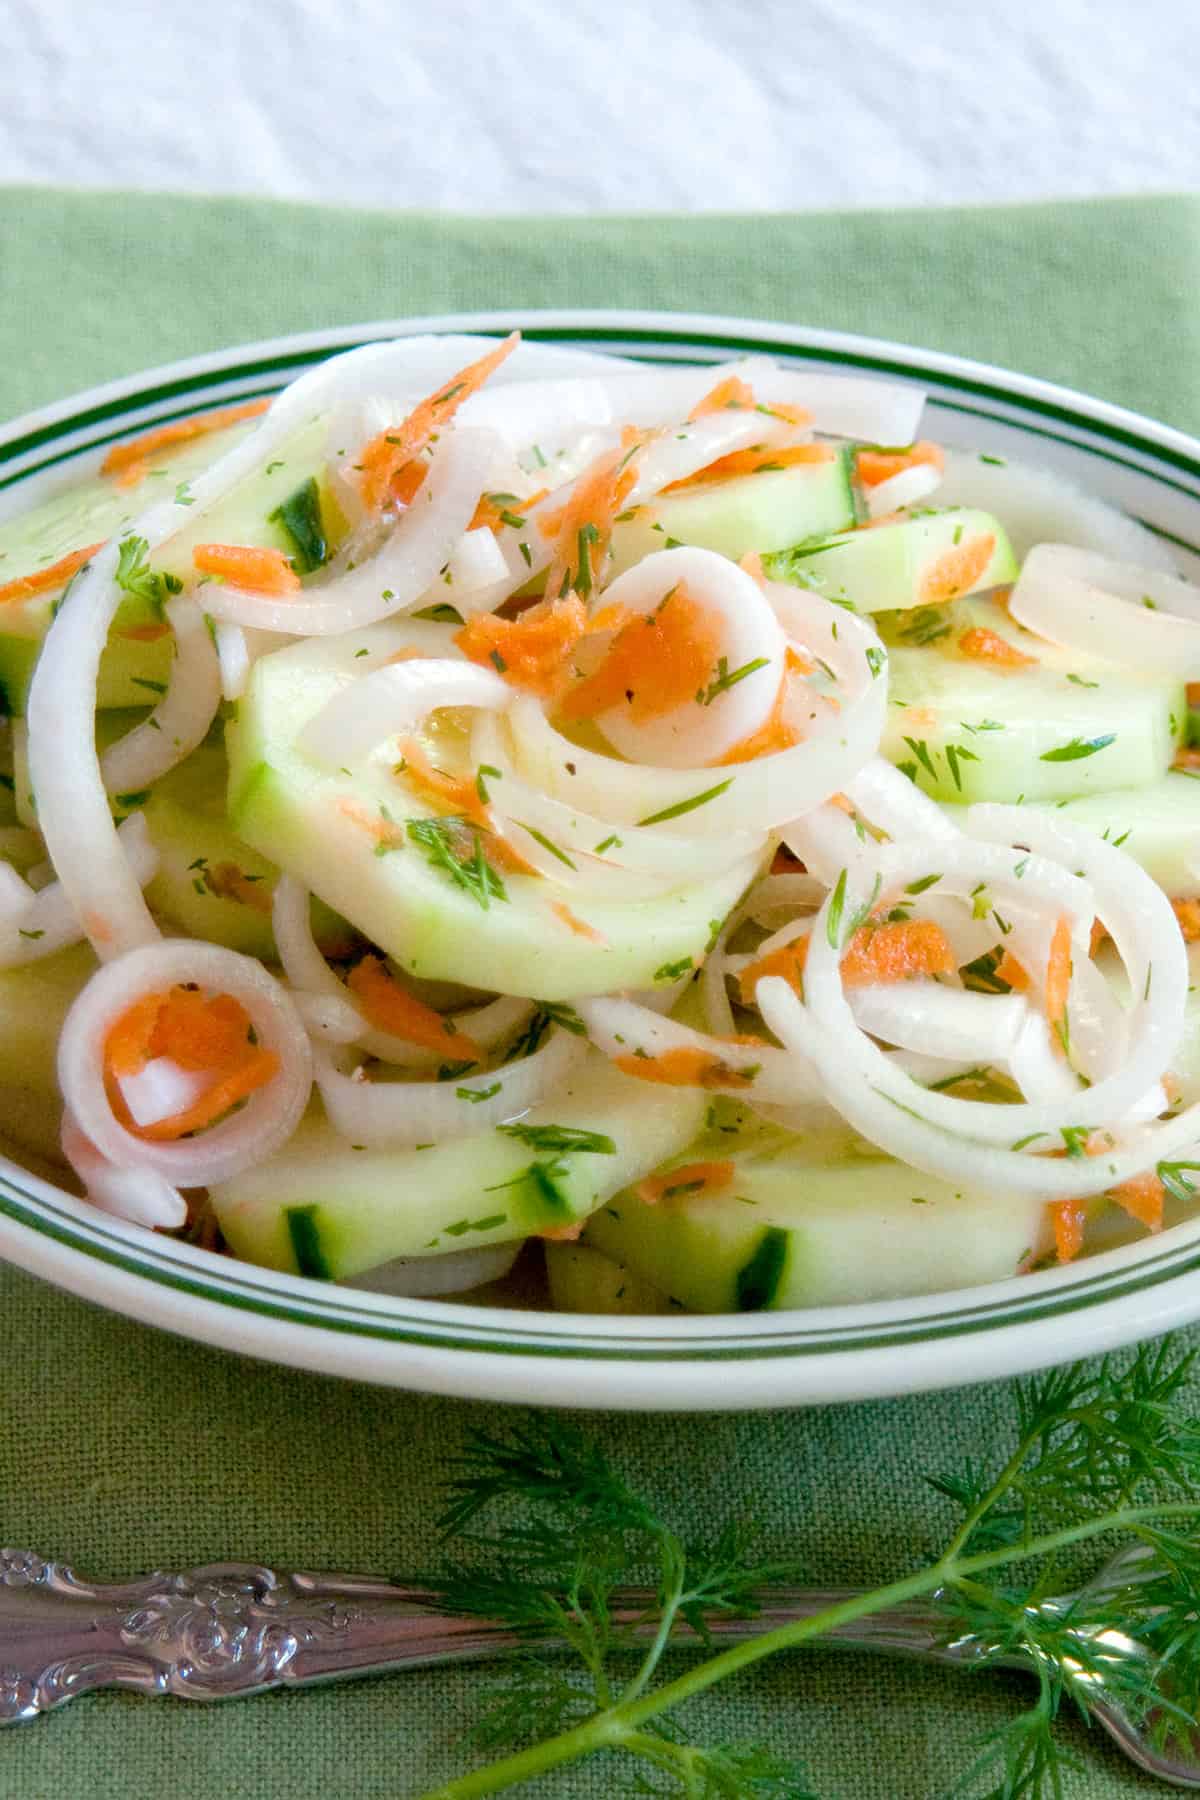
x,y
319,1207
797,1227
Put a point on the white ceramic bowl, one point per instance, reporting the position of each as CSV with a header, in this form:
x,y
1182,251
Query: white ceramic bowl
x,y
659,1364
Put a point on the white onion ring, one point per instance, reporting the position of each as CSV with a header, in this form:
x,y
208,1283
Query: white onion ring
x,y
182,717
233,658
911,1016
142,1196
892,802
1089,603
690,736
16,895
397,576
49,924
434,1112
477,575
375,708
621,1027
312,977
249,1136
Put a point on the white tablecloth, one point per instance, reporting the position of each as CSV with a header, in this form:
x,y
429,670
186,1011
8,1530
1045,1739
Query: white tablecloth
x,y
533,105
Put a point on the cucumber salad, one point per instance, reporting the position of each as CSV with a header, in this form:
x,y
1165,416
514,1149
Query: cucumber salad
x,y
678,822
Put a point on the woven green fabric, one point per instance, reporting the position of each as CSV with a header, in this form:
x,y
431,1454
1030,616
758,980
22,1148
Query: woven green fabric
x,y
121,1448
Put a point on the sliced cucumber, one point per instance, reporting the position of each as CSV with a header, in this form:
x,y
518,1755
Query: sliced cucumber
x,y
209,883
767,511
925,559
319,1207
34,1001
325,829
584,1280
967,730
1158,825
262,510
797,1230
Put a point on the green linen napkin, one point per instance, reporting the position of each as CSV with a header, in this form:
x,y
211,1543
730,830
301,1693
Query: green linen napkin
x,y
122,1449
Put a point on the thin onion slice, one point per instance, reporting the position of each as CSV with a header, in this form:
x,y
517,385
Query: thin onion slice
x,y
246,1136
903,489
182,717
427,1277
435,1112
392,700
620,1027
1089,603
142,1196
50,924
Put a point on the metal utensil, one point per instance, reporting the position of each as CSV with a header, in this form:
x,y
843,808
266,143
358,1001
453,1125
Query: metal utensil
x,y
230,1629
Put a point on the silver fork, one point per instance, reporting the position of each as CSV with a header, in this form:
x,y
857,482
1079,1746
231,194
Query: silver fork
x,y
230,1629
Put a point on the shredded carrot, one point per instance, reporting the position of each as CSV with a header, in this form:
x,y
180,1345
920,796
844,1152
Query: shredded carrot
x,y
1069,1218
574,923
227,882
731,394
54,575
1099,933
386,455
1058,976
379,829
956,570
407,482
889,953
1186,759
530,652
562,1234
391,1008
1193,693
796,663
457,792
788,962
775,733
582,529
752,563
1008,969
982,645
874,466
258,1068
690,1178
144,634
685,1066
656,663
752,462
127,1046
258,571
128,461
1142,1198
493,507
199,1033
1188,914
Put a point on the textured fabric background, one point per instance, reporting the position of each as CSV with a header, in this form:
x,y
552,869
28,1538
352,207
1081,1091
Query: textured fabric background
x,y
604,105
121,1448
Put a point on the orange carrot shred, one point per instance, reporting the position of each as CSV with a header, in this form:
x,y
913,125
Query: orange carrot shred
x,y
1008,969
752,462
788,961
457,792
956,570
1188,914
1058,975
199,1033
127,1046
258,1068
386,455
889,953
775,733
129,460
492,508
731,394
656,663
582,529
531,652
144,634
685,1066
1069,1218
54,575
690,1178
257,570
574,923
874,466
1142,1198
982,645
391,1008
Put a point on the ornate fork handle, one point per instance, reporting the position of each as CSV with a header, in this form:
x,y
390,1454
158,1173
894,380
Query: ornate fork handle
x,y
230,1629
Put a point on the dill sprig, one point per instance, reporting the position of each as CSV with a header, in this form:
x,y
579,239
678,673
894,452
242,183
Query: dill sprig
x,y
546,1535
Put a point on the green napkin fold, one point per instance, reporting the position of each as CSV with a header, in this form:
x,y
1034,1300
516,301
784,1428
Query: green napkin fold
x,y
121,1448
